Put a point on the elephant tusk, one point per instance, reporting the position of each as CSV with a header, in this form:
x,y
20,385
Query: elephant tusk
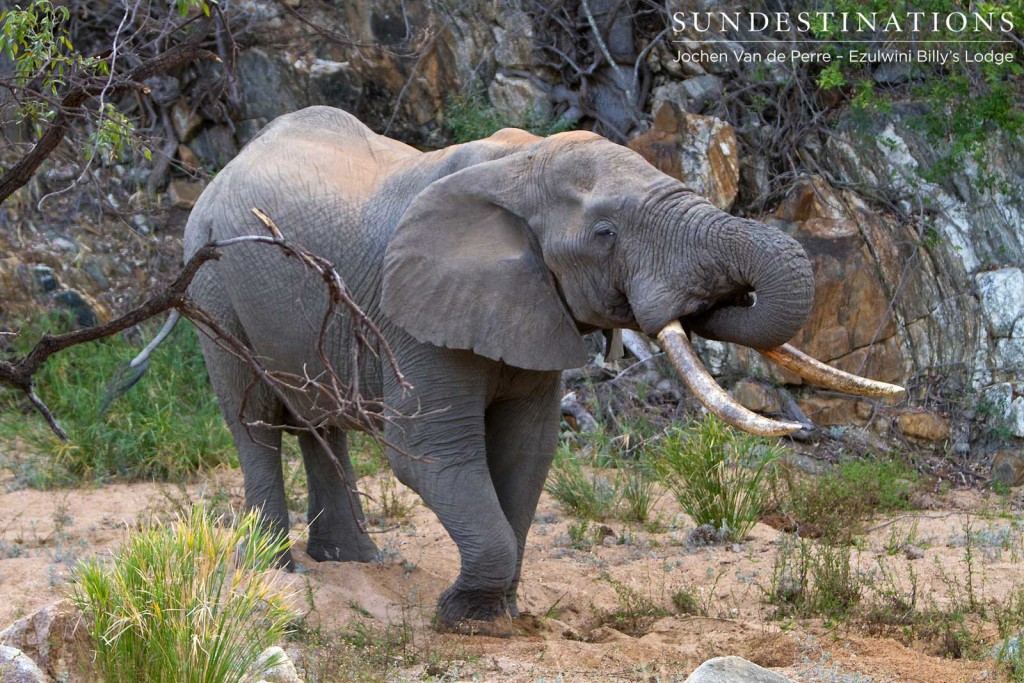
x,y
704,387
816,372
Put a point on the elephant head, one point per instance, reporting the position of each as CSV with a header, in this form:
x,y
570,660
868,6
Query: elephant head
x,y
518,255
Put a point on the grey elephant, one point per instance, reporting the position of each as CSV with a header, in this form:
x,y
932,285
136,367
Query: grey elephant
x,y
482,264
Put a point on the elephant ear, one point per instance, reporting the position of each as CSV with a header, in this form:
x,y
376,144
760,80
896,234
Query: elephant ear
x,y
463,270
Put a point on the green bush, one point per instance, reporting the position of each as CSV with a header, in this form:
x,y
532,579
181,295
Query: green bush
x,y
194,602
716,473
166,427
472,117
836,506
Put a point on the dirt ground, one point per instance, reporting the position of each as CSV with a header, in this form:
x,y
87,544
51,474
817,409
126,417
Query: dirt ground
x,y
570,595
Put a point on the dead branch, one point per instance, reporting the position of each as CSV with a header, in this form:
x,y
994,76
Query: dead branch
x,y
346,400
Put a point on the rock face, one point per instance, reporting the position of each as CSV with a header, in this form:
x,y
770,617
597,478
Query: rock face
x,y
700,151
733,670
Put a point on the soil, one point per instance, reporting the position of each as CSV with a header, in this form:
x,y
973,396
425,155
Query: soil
x,y
570,597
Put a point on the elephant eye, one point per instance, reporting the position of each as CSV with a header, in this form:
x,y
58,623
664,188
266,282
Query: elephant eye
x,y
605,230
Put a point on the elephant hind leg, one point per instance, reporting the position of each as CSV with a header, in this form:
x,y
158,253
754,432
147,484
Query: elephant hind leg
x,y
336,521
259,448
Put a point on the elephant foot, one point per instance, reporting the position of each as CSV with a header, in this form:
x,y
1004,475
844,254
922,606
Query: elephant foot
x,y
331,551
473,612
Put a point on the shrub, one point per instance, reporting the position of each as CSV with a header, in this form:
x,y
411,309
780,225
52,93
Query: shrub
x,y
472,117
716,473
164,428
837,505
192,602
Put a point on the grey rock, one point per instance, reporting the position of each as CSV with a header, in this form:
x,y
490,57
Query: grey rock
x,y
45,278
912,552
80,308
17,667
271,85
164,90
518,97
1002,297
274,666
893,73
733,670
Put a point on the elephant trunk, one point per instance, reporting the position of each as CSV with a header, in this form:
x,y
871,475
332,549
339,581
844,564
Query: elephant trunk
x,y
772,287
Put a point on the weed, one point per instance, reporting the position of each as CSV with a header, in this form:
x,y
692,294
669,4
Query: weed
x,y
697,600
716,473
636,611
638,495
813,580
195,601
582,494
166,427
393,504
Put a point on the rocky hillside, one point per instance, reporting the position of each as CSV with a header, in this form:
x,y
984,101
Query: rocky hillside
x,y
918,264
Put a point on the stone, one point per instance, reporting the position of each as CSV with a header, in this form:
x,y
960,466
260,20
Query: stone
x,y
83,308
215,146
923,425
513,41
518,97
183,194
56,639
756,396
700,151
186,122
827,411
17,667
283,671
1002,298
45,278
165,90
912,552
187,157
1008,468
733,670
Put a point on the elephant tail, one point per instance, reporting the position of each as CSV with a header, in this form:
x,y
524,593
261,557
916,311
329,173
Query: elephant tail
x,y
125,376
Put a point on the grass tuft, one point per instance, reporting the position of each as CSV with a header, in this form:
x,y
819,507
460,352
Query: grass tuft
x,y
194,602
716,473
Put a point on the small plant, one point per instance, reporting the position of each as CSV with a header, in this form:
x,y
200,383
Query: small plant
x,y
636,611
192,602
582,494
716,473
814,580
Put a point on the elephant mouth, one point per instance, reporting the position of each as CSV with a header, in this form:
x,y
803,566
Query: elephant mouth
x,y
703,386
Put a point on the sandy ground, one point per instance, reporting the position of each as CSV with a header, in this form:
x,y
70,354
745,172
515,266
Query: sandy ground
x,y
569,594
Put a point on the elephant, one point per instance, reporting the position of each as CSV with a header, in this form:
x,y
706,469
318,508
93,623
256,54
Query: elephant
x,y
482,264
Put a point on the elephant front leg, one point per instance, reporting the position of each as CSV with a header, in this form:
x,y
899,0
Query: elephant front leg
x,y
448,469
336,521
522,436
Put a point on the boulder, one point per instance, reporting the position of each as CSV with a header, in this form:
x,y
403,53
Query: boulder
x,y
17,667
274,666
518,98
56,639
923,425
733,670
1008,468
183,194
700,151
